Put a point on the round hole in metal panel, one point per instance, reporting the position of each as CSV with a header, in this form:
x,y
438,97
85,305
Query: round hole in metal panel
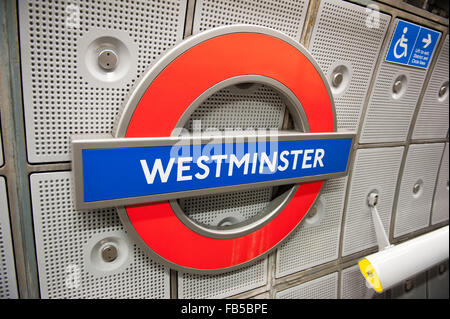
x,y
399,86
239,107
443,91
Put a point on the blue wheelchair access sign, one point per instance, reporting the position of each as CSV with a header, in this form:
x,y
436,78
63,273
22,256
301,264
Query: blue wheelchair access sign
x,y
412,45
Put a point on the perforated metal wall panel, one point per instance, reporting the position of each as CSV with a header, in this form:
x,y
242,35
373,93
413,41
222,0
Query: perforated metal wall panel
x,y
417,187
439,213
353,285
69,245
321,288
346,41
8,284
316,241
231,109
417,291
388,116
374,170
194,286
432,120
287,16
437,282
65,92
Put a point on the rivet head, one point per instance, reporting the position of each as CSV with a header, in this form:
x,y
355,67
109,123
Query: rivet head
x,y
397,86
337,79
109,253
416,188
107,59
409,285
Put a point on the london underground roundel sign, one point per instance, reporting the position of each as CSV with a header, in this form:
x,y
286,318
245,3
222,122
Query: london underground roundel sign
x,y
146,165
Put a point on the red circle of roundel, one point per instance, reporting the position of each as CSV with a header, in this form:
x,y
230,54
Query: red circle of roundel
x,y
167,98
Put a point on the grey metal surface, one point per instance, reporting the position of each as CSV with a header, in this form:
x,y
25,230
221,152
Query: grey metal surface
x,y
321,288
439,212
195,286
242,92
8,281
432,120
69,245
374,170
345,40
286,16
65,92
421,167
388,115
316,241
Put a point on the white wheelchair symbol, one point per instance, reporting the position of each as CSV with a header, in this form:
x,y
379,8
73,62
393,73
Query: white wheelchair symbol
x,y
402,44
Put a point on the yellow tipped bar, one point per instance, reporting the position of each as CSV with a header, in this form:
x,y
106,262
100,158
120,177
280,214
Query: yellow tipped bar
x,y
369,273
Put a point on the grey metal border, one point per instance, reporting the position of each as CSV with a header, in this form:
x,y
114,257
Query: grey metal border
x,y
136,93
